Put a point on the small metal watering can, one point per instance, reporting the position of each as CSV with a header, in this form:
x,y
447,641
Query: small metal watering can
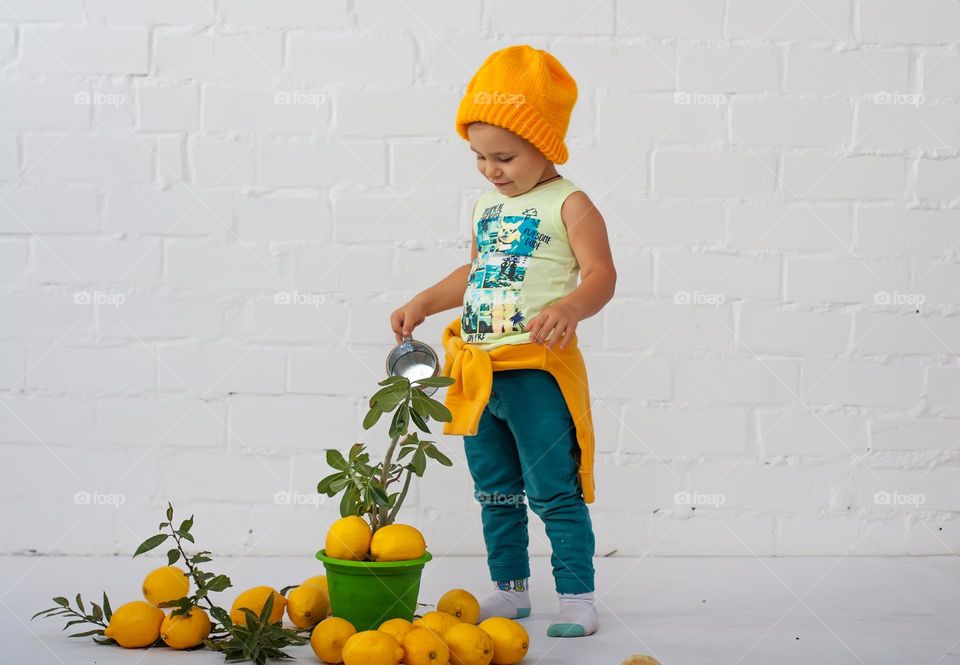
x,y
414,360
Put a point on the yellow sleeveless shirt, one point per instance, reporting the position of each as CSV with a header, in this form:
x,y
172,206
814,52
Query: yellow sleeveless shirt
x,y
524,263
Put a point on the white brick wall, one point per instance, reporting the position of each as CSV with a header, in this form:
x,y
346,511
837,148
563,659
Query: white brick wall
x,y
780,183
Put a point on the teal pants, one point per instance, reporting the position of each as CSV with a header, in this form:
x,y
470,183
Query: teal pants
x,y
526,445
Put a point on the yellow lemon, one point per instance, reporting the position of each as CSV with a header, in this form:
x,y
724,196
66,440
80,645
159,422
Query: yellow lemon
x,y
348,538
397,627
639,659
461,604
318,580
307,605
397,542
254,599
164,584
371,647
135,624
422,646
510,640
328,638
437,621
184,631
469,645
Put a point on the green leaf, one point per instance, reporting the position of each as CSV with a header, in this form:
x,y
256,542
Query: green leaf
x,y
185,525
393,380
150,543
97,613
355,450
438,411
200,557
107,612
96,631
222,616
173,556
335,459
185,535
435,381
169,511
434,453
348,503
219,583
379,495
419,463
61,601
372,417
323,487
338,485
418,420
80,604
401,421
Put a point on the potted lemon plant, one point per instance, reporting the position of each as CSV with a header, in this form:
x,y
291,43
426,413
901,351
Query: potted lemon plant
x,y
374,565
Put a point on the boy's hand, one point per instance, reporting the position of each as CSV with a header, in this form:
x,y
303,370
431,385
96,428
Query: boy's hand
x,y
405,319
557,318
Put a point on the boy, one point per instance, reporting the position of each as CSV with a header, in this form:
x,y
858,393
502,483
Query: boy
x,y
521,398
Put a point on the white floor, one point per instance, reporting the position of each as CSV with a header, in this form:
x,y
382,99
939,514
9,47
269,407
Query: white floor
x,y
684,611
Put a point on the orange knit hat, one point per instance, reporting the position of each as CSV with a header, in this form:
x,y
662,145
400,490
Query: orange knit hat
x,y
525,90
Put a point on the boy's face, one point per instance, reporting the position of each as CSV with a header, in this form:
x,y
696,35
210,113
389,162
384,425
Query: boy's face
x,y
508,161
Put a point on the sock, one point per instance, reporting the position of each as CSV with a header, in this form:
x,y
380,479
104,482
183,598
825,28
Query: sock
x,y
511,599
577,616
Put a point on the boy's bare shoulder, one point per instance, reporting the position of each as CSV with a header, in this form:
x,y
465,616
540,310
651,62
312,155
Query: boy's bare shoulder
x,y
578,207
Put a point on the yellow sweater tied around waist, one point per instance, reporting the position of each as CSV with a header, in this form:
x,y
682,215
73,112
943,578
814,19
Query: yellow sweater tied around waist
x,y
472,368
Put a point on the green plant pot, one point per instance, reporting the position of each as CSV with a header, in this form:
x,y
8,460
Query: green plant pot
x,y
367,593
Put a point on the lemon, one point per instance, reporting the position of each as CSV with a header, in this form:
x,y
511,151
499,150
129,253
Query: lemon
x,y
422,646
307,605
165,584
328,638
396,627
639,659
254,599
469,645
397,542
371,647
461,604
437,621
348,538
318,580
510,640
135,624
184,631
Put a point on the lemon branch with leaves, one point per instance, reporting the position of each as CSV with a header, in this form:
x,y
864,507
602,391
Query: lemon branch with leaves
x,y
205,582
366,488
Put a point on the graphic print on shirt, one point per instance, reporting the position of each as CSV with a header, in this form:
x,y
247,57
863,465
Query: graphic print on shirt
x,y
505,245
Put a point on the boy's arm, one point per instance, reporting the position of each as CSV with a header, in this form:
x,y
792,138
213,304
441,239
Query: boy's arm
x,y
587,233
